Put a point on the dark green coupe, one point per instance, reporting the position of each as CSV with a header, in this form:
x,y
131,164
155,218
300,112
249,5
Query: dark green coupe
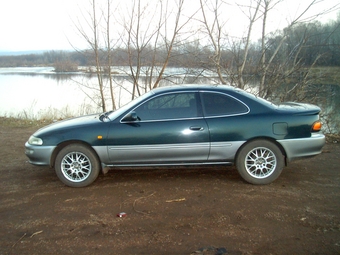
x,y
182,125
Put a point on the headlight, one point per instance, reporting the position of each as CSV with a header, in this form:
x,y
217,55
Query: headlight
x,y
35,140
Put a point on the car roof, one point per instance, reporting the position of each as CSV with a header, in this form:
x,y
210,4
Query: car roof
x,y
183,87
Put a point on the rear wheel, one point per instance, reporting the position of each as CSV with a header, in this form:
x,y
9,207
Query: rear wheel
x,y
77,165
260,162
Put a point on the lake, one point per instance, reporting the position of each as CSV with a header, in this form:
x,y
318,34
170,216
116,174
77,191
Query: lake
x,y
38,93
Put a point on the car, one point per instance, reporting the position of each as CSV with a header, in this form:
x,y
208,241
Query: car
x,y
182,125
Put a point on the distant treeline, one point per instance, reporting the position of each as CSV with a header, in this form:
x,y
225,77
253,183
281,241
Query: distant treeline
x,y
321,41
188,55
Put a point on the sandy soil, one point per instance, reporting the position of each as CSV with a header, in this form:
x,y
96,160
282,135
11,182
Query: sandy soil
x,y
191,210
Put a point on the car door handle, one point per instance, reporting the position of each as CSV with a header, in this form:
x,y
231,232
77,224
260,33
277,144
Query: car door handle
x,y
194,128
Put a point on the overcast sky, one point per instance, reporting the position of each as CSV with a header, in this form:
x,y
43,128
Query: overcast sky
x,y
36,24
27,25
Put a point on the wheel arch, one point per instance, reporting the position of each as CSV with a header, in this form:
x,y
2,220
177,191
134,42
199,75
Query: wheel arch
x,y
270,139
66,143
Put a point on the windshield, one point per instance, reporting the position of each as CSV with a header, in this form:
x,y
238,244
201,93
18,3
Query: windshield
x,y
115,114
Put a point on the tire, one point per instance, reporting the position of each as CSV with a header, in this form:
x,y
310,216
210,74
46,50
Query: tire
x,y
77,165
260,162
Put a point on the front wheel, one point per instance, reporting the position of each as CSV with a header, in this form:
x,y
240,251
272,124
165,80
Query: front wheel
x,y
260,162
77,165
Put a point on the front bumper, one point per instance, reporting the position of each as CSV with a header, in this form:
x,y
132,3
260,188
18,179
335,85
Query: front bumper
x,y
303,147
39,155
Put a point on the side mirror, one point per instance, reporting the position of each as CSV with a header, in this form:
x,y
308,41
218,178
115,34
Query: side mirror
x,y
131,116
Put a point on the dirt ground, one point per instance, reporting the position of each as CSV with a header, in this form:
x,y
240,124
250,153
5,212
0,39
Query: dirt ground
x,y
189,210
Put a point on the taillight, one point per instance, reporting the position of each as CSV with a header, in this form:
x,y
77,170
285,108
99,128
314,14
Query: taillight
x,y
316,126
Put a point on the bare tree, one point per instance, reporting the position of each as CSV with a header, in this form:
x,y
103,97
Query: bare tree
x,y
169,43
109,53
214,31
152,31
252,18
95,47
92,40
139,37
218,38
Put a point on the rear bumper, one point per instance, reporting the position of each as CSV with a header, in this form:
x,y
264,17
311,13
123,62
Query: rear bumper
x,y
303,147
39,155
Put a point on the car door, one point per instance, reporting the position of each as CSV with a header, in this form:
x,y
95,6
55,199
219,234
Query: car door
x,y
226,119
170,129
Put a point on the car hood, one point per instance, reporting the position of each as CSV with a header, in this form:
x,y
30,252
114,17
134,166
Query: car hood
x,y
70,124
299,108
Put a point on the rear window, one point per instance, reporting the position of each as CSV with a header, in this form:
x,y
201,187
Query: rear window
x,y
217,104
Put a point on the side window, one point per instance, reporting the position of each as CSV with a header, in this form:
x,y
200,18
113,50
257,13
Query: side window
x,y
217,104
170,106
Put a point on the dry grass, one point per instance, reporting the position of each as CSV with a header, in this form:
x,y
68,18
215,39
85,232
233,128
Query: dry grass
x,y
17,122
326,75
